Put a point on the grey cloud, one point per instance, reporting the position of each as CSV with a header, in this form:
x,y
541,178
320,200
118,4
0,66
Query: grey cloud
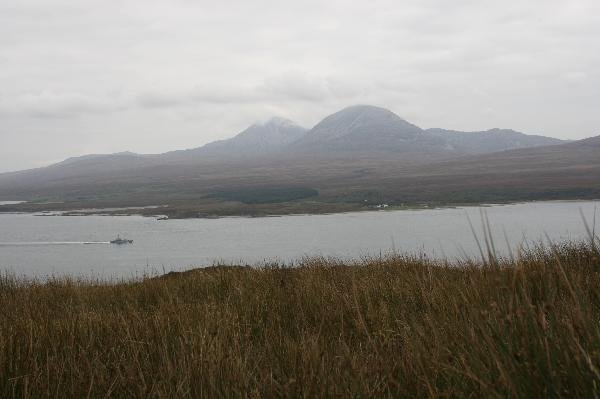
x,y
48,104
157,98
99,76
292,87
299,87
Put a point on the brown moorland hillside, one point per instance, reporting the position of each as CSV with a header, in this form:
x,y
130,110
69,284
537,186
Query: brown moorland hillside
x,y
316,183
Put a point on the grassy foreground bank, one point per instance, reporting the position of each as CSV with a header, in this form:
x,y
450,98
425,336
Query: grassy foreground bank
x,y
395,326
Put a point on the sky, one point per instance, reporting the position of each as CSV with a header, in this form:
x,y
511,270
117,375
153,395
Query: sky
x,y
90,76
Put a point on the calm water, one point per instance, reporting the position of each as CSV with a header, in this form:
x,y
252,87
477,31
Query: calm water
x,y
37,246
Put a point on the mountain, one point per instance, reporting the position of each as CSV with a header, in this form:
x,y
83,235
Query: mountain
x,y
87,165
565,171
355,143
488,141
361,129
272,135
257,140
367,128
361,121
92,159
364,128
589,142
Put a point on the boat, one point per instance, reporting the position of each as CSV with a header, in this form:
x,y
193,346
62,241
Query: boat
x,y
121,241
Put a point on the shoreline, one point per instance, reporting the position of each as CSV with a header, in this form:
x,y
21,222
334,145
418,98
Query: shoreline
x,y
115,211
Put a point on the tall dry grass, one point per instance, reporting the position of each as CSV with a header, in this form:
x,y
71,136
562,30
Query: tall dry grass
x,y
391,326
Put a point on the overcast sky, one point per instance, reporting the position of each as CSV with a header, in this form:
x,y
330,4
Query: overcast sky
x,y
87,76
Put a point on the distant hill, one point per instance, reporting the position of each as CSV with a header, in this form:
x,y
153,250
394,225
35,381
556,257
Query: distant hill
x,y
88,165
365,128
358,129
95,158
566,171
358,149
574,155
258,139
272,135
589,142
488,141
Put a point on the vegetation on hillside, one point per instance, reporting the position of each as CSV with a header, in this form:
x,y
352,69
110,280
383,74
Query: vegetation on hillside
x,y
265,195
303,183
390,326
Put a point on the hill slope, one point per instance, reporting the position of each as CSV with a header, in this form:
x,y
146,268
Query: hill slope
x,y
488,141
566,171
363,128
349,154
257,140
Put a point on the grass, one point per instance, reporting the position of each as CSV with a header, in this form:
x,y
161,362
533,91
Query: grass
x,y
389,326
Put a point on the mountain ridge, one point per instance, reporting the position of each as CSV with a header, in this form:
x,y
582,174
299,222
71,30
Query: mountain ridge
x,y
273,134
355,128
356,131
